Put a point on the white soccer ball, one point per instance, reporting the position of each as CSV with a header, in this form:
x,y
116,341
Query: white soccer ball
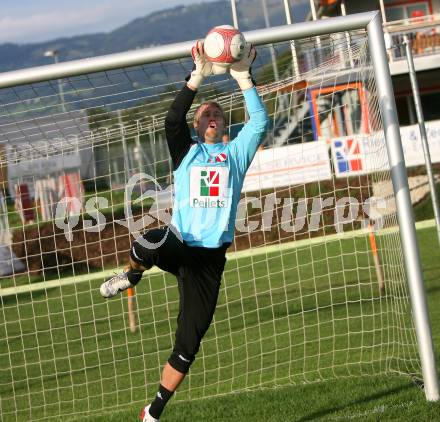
x,y
224,45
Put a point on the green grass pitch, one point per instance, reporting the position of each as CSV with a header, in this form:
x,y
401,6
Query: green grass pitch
x,y
333,324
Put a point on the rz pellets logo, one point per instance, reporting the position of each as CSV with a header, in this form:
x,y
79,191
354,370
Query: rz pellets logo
x,y
209,183
209,187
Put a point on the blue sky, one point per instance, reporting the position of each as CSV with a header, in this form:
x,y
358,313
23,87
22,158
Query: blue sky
x,y
31,21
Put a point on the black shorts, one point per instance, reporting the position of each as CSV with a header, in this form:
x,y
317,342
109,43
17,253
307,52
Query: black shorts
x,y
199,272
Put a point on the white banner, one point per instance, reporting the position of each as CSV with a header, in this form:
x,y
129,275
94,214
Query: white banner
x,y
27,172
362,154
357,155
290,165
412,143
43,166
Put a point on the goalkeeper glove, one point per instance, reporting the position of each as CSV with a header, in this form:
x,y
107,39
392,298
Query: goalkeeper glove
x,y
241,70
202,67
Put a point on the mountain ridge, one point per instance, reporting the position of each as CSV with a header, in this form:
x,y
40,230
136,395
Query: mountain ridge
x,y
157,28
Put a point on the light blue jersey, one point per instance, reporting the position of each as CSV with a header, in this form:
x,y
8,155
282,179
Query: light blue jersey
x,y
208,181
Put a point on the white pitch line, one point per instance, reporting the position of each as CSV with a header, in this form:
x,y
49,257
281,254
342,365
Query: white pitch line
x,y
378,410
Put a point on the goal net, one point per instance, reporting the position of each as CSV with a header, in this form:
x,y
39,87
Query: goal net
x,y
314,287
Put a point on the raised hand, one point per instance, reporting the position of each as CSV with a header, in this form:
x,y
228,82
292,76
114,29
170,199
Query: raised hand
x,y
202,67
241,70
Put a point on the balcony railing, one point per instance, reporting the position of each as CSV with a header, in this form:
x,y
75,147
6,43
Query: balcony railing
x,y
424,33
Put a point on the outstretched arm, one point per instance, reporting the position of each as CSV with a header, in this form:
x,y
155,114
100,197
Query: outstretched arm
x,y
246,143
176,128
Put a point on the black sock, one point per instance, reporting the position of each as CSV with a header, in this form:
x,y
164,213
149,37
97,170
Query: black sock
x,y
134,276
159,403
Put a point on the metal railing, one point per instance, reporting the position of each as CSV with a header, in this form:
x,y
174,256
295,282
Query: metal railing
x,y
423,32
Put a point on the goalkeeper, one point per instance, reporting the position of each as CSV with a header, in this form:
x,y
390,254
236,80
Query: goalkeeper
x,y
208,177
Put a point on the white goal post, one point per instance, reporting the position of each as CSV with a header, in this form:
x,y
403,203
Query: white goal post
x,y
270,308
404,207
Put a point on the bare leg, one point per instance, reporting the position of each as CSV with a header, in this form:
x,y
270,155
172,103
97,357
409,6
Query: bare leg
x,y
135,266
171,378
